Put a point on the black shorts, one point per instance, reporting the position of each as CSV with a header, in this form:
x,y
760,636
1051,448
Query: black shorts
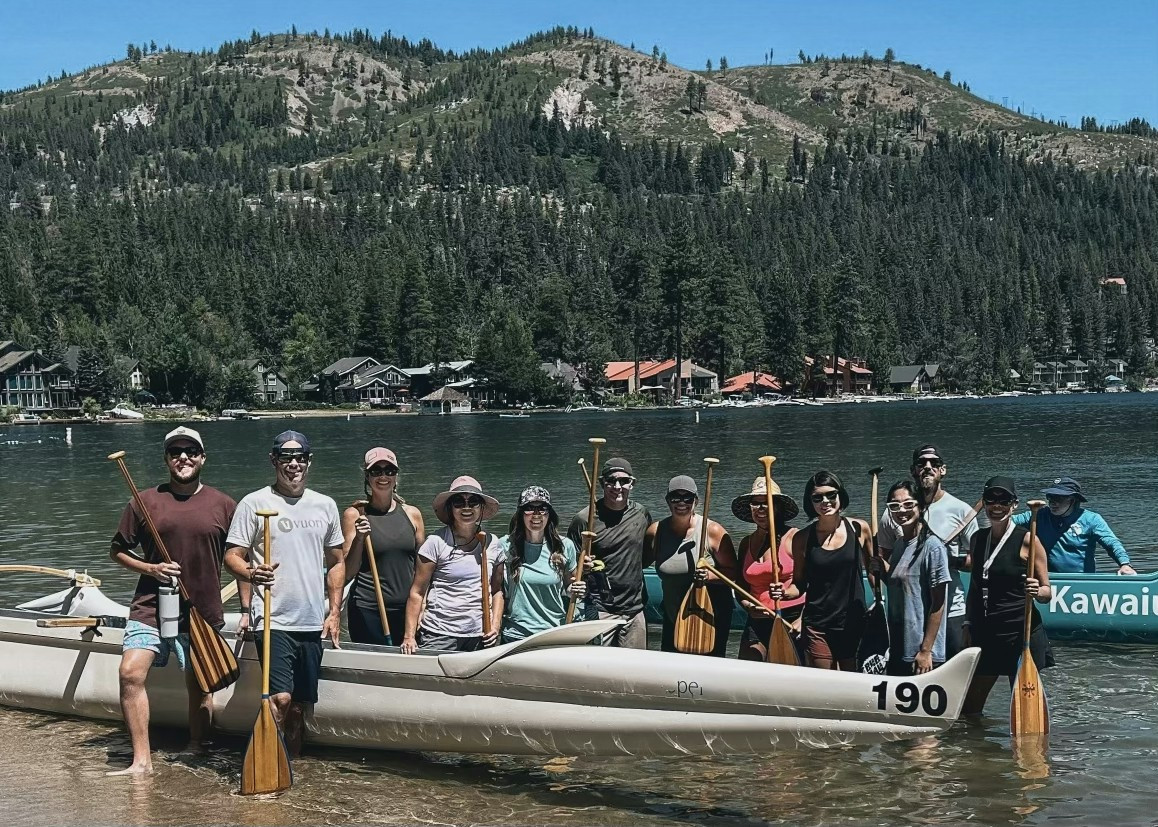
x,y
296,664
1001,654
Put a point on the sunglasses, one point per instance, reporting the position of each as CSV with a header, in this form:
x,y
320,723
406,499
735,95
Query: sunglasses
x,y
681,498
934,461
998,500
830,496
286,459
535,508
619,482
382,471
191,451
1058,498
465,502
758,505
904,505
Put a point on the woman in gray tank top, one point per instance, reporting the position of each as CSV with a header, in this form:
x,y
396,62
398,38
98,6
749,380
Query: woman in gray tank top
x,y
395,531
674,542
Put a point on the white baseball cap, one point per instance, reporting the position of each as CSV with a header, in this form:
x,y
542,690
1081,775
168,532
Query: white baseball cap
x,y
181,432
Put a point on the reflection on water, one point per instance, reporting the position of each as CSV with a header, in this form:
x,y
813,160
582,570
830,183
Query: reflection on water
x,y
60,506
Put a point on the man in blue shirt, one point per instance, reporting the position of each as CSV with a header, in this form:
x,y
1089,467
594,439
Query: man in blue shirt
x,y
1071,534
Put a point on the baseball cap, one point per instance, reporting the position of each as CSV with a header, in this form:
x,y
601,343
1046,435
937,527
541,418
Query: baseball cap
x,y
683,483
926,452
616,464
376,455
181,432
290,436
1001,484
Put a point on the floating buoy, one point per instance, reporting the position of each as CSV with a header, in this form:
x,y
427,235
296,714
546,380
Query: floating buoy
x,y
68,436
697,417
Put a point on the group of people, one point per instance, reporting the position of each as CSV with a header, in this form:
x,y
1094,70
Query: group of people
x,y
435,591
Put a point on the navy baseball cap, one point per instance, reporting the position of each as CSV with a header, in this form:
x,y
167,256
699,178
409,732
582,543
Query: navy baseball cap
x,y
290,436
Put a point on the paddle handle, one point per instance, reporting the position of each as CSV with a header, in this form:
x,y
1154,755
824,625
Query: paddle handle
x,y
711,463
948,541
119,459
1034,505
481,537
738,589
876,475
368,552
585,549
584,553
265,605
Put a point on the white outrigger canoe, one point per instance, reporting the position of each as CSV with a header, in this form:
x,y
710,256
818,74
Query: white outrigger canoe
x,y
550,694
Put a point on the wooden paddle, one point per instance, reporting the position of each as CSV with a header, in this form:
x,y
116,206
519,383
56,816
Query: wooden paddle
x,y
79,578
214,664
82,622
1028,708
583,468
736,587
368,552
695,625
481,539
585,551
873,652
266,768
781,649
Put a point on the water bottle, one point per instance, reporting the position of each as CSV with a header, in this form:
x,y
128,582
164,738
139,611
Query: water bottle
x,y
169,608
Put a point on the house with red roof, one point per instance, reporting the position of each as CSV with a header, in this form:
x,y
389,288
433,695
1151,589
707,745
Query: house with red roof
x,y
754,382
659,376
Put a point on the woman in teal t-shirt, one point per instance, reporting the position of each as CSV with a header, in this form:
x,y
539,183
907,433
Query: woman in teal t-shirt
x,y
540,573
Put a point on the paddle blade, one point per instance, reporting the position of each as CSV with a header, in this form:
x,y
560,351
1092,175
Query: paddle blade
x,y
872,656
266,768
695,626
1028,707
214,663
781,649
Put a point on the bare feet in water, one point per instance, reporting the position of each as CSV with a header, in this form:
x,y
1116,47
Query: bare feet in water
x,y
133,769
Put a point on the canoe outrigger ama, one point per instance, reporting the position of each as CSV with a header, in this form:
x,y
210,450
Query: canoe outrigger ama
x,y
550,694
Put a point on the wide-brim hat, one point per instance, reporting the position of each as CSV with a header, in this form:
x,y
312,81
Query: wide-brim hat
x,y
1065,487
785,507
464,485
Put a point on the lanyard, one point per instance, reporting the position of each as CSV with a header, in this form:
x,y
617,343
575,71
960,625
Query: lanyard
x,y
990,557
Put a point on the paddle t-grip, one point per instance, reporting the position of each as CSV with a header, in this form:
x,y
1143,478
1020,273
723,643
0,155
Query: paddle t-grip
x,y
773,540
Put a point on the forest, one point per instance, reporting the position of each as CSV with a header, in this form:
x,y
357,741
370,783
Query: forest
x,y
206,236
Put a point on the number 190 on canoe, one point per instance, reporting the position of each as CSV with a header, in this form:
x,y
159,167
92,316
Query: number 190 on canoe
x,y
909,698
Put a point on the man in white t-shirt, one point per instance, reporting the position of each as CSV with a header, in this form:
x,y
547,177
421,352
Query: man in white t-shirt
x,y
945,515
306,541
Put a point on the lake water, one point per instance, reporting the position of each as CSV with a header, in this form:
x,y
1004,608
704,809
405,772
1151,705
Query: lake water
x,y
60,505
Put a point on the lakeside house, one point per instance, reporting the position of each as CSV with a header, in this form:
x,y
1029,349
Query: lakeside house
x,y
268,383
445,400
839,376
915,379
656,376
32,382
754,382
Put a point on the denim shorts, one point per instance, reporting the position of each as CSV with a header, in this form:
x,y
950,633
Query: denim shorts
x,y
142,636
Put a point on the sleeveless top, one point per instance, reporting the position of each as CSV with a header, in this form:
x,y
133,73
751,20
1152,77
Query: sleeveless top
x,y
395,548
758,572
996,603
832,578
676,568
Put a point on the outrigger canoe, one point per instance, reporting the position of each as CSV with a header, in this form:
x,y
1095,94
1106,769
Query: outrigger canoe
x,y
550,694
1089,607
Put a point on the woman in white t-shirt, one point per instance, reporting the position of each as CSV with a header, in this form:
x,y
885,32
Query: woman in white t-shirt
x,y
449,579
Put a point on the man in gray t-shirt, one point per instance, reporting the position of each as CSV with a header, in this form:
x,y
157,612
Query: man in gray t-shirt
x,y
308,568
945,515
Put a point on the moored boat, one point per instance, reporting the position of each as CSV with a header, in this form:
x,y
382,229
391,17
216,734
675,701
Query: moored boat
x,y
1090,607
549,694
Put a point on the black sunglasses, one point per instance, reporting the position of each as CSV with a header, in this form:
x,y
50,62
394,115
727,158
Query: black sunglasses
x,y
287,458
831,496
998,499
466,502
535,508
191,451
933,461
382,471
681,498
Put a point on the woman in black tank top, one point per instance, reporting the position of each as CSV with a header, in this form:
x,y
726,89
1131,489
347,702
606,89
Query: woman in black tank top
x,y
395,531
995,605
829,558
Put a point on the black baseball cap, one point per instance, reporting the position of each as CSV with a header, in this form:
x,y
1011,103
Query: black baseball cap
x,y
616,464
290,436
926,452
1001,484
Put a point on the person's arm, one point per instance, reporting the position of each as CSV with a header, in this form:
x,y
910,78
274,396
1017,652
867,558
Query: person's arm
x,y
355,527
1110,542
335,583
793,590
127,538
649,544
416,520
498,603
923,662
423,572
724,550
1038,586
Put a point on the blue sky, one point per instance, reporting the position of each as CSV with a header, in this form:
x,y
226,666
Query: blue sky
x,y
1060,57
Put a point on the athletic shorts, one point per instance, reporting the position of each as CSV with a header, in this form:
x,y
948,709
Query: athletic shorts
x,y
830,644
143,636
447,643
295,665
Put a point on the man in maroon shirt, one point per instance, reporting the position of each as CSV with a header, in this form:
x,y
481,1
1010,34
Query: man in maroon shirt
x,y
192,520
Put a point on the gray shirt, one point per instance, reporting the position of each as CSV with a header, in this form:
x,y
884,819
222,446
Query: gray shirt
x,y
944,517
912,577
454,597
300,534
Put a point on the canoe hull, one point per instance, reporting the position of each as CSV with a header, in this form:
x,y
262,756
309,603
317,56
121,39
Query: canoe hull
x,y
1090,607
543,699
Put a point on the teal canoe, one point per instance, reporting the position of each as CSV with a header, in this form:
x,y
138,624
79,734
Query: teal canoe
x,y
1093,607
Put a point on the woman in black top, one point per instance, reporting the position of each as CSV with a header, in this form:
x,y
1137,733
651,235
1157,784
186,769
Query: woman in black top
x,y
396,531
829,558
995,605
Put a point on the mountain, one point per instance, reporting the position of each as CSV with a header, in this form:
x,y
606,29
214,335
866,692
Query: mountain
x,y
302,198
